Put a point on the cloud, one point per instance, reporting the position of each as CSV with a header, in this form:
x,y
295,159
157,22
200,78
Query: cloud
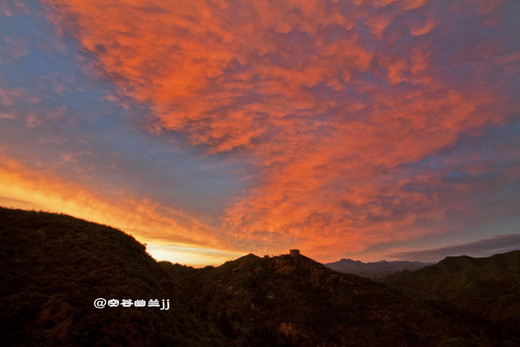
x,y
330,104
16,49
12,7
423,28
6,116
481,248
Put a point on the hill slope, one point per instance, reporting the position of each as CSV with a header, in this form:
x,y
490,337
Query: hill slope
x,y
54,266
258,299
486,287
375,270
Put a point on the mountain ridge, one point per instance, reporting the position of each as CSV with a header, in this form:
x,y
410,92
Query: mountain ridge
x,y
57,265
373,270
487,287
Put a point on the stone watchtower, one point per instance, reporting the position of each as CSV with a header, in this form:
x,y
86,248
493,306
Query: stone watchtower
x,y
294,252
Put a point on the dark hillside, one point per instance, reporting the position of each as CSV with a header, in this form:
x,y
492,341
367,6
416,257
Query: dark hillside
x,y
487,287
54,266
256,299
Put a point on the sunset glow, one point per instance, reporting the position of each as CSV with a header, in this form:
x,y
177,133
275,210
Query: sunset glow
x,y
208,129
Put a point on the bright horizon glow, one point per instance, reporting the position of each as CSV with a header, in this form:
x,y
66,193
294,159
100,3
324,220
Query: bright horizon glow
x,y
192,256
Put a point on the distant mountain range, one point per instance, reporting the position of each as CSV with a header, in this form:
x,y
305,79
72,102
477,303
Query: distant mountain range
x,y
55,266
375,270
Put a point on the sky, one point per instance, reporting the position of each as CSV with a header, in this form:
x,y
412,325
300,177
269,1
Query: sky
x,y
208,129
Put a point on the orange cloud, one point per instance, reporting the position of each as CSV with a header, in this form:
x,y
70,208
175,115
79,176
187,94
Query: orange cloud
x,y
412,4
378,22
423,28
324,113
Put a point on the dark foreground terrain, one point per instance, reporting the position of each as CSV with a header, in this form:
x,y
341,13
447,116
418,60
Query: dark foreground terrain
x,y
54,266
487,288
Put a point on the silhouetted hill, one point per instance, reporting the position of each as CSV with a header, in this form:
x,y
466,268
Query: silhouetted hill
x,y
54,266
486,287
374,270
296,301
